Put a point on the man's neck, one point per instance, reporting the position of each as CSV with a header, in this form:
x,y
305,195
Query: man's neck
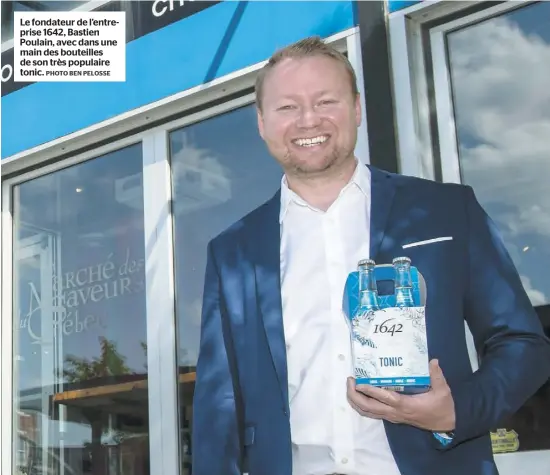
x,y
321,191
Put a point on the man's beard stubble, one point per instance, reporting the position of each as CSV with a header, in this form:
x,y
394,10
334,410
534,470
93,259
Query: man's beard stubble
x,y
304,169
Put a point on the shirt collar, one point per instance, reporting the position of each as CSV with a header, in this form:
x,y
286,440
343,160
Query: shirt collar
x,y
360,180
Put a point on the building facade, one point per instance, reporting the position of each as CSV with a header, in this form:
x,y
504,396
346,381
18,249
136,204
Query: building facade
x,y
110,192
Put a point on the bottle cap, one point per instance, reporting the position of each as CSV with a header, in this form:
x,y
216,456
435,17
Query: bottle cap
x,y
366,262
401,260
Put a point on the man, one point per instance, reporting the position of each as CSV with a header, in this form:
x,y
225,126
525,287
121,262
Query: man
x,y
273,392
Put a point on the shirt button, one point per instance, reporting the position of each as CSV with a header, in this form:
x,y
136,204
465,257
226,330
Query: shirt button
x,y
344,460
341,357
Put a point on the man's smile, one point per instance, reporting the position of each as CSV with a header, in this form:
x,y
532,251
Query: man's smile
x,y
311,142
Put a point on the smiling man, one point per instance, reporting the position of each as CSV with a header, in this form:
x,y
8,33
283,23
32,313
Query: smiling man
x,y
274,393
308,114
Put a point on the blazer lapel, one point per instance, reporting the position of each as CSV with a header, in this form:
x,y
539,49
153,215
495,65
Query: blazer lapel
x,y
266,258
382,193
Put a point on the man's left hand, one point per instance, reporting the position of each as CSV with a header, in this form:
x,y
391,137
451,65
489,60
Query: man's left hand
x,y
433,410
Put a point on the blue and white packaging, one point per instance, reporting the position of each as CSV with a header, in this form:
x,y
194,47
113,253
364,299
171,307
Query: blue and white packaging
x,y
389,346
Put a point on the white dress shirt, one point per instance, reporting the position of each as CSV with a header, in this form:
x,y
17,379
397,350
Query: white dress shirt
x,y
318,250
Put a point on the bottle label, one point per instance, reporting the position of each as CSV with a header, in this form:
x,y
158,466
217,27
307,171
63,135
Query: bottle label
x,y
390,347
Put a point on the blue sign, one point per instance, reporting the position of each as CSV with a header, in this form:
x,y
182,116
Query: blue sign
x,y
395,5
201,47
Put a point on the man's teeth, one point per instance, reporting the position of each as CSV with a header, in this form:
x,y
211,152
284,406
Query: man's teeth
x,y
311,142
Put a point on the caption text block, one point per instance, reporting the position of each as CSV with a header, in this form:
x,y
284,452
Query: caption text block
x,y
69,46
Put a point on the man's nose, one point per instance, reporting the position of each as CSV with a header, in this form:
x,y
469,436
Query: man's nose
x,y
308,118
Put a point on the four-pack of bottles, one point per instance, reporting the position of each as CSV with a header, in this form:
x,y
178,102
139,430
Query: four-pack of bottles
x,y
388,330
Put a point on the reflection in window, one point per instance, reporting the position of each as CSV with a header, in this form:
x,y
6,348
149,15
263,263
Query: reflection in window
x,y
502,105
80,375
500,72
221,170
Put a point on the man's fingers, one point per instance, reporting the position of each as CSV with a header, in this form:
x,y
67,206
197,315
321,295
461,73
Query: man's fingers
x,y
389,398
372,415
368,406
362,412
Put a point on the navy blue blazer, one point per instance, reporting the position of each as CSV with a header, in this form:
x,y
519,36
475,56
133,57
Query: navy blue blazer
x,y
241,408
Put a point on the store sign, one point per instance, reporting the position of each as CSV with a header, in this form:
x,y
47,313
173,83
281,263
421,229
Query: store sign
x,y
142,17
76,295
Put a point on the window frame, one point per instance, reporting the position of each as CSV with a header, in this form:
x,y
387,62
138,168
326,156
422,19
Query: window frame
x,y
196,104
408,60
446,125
424,110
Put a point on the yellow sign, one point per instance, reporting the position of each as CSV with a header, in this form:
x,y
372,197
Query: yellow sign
x,y
504,441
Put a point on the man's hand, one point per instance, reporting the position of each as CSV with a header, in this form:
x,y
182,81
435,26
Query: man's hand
x,y
433,410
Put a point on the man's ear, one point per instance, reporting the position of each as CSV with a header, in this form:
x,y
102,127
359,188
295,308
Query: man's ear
x,y
260,121
358,114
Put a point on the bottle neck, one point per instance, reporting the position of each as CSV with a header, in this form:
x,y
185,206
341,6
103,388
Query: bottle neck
x,y
368,293
403,287
403,278
368,299
404,297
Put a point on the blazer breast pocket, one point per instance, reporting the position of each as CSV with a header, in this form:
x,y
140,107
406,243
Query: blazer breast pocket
x,y
435,254
427,242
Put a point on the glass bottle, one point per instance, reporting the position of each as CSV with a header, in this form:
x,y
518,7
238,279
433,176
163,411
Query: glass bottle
x,y
368,291
403,282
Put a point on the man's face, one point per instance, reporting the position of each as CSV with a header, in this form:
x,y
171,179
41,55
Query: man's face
x,y
309,115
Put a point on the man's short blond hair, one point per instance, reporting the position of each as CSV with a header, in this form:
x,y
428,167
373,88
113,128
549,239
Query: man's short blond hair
x,y
305,48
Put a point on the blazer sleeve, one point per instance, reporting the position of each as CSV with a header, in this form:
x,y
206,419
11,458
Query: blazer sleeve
x,y
216,438
515,354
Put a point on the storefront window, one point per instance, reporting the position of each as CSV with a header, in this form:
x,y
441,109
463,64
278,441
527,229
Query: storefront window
x,y
221,170
500,72
80,344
